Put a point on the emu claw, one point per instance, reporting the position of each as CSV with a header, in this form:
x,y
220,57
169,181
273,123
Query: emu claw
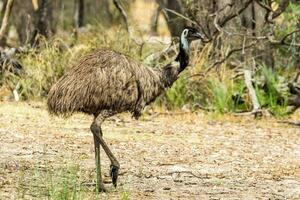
x,y
114,171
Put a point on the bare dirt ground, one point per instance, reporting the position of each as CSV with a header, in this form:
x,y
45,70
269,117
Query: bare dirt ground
x,y
164,156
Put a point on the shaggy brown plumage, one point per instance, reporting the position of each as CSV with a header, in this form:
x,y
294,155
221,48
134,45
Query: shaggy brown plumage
x,y
108,80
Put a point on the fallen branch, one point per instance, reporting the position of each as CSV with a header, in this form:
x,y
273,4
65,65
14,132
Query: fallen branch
x,y
294,123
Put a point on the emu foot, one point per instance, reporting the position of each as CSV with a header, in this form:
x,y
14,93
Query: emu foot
x,y
114,172
101,188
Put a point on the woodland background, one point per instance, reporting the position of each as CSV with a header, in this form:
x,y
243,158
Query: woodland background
x,y
197,141
248,61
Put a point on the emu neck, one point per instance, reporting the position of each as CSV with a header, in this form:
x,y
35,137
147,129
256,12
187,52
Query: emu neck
x,y
171,71
183,55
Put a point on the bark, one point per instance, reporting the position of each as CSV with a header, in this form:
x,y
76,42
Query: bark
x,y
283,4
123,13
5,21
154,19
175,23
251,90
31,21
254,21
79,14
294,87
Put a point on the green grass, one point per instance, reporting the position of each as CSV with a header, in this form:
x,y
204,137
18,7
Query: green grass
x,y
125,195
66,182
176,96
227,96
57,184
271,92
44,65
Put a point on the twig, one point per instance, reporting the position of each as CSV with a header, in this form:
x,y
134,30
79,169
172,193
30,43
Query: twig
x,y
289,34
232,13
189,20
224,59
294,123
180,15
268,8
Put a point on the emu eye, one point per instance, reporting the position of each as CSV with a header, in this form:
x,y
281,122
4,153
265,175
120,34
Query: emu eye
x,y
185,32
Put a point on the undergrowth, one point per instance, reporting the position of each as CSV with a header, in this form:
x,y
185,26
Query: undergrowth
x,y
63,183
44,65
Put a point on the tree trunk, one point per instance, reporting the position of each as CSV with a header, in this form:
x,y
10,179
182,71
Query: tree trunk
x,y
254,20
175,23
154,20
78,13
32,22
251,90
5,21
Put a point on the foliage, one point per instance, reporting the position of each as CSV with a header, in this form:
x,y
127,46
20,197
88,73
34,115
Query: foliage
x,y
44,65
176,96
59,184
272,91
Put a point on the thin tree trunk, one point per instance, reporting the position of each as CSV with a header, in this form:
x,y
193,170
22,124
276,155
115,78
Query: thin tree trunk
x,y
44,25
255,103
79,14
3,8
175,23
5,21
123,13
154,20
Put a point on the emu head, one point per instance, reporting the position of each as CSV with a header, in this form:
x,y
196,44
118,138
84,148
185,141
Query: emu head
x,y
189,34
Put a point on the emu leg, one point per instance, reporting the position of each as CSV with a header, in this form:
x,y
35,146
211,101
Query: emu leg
x,y
99,183
115,166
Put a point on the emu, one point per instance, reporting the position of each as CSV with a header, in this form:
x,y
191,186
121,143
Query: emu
x,y
106,82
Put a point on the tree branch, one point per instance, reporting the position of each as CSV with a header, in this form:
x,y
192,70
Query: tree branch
x,y
228,55
123,13
232,13
281,8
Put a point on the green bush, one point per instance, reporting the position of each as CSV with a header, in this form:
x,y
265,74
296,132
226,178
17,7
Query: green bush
x,y
271,90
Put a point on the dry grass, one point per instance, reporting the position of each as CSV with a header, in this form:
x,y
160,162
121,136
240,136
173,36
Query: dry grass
x,y
236,157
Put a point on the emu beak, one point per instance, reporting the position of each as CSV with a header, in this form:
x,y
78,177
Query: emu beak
x,y
197,35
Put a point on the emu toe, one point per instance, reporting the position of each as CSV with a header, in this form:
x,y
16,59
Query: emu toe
x,y
114,171
101,188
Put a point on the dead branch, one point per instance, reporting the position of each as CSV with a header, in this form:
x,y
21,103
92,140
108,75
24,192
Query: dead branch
x,y
35,4
268,8
5,21
181,15
252,93
231,13
191,21
294,123
123,13
282,42
228,55
281,8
